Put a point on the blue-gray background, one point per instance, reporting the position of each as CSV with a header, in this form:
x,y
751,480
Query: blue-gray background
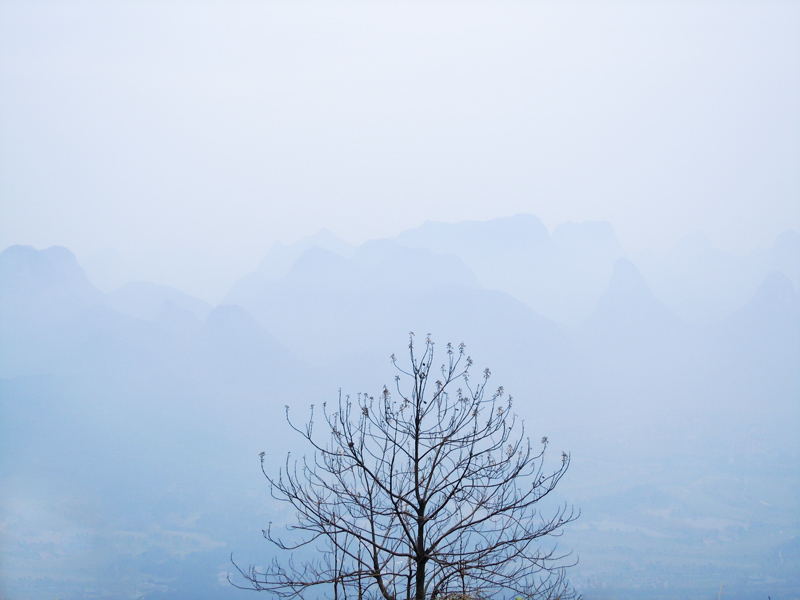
x,y
212,210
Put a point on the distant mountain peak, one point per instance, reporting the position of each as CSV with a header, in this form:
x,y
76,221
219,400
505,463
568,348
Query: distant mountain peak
x,y
42,285
326,235
281,257
25,266
318,262
629,310
627,282
53,259
776,290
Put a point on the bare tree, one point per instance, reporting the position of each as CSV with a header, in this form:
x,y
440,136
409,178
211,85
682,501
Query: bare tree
x,y
429,495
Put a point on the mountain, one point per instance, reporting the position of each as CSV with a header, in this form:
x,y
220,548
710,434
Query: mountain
x,y
775,297
760,346
703,284
636,359
56,322
477,242
240,352
281,257
783,256
628,307
131,423
328,305
332,309
41,286
190,271
347,315
631,333
559,276
146,300
120,433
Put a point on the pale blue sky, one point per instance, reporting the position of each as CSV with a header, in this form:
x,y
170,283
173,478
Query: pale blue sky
x,y
225,126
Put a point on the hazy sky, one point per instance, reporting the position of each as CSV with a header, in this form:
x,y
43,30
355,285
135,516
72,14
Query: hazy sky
x,y
225,126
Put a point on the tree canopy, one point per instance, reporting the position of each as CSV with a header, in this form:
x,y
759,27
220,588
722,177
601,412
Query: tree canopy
x,y
428,492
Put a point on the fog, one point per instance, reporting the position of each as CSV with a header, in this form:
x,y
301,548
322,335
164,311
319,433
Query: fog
x,y
211,211
223,127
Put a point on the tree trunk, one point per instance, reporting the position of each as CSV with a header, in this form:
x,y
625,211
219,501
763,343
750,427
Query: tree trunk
x,y
420,591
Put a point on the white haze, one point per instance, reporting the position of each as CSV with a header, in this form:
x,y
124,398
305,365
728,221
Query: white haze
x,y
212,210
224,127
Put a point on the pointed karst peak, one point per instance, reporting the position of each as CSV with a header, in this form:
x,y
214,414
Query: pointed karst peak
x,y
327,237
627,283
38,286
281,257
776,291
317,262
629,303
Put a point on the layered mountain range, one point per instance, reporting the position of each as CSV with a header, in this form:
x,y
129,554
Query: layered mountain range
x,y
130,418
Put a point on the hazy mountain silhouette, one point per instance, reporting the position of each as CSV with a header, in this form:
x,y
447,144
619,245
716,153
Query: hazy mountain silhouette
x,y
146,300
41,286
135,418
628,307
56,321
702,283
636,358
281,257
472,239
241,352
783,256
494,250
327,305
560,277
759,347
113,422
190,271
38,290
776,296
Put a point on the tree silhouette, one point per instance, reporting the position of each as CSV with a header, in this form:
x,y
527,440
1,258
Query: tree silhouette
x,y
428,495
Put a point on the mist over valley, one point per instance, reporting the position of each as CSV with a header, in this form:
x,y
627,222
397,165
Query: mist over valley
x,y
132,420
